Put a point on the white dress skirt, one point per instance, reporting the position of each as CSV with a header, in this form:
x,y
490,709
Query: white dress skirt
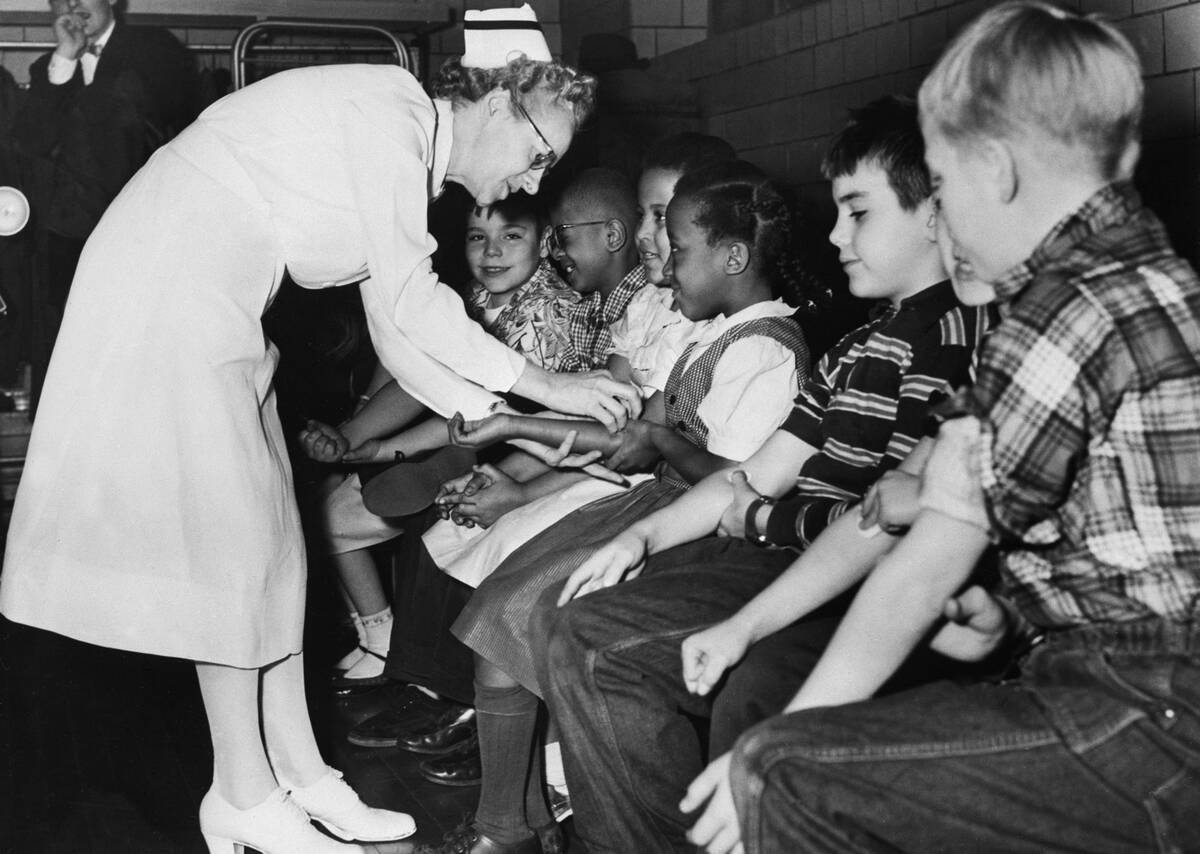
x,y
156,511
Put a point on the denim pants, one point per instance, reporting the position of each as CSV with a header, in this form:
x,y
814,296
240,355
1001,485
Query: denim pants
x,y
1094,748
611,674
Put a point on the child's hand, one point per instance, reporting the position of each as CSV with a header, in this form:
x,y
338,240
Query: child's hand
x,y
455,490
323,443
733,520
977,623
497,494
708,654
369,451
891,502
637,451
717,830
622,558
479,434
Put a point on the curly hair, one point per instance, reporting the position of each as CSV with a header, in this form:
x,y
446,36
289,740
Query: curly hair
x,y
573,89
736,201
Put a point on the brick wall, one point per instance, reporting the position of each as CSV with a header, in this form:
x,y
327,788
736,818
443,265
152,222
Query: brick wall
x,y
778,89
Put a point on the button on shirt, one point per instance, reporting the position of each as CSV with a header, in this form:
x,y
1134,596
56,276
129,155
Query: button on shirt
x,y
1087,399
61,69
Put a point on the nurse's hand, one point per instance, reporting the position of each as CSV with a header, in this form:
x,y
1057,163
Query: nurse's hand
x,y
595,394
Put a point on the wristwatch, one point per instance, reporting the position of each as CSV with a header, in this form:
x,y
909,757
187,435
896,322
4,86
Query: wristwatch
x,y
759,538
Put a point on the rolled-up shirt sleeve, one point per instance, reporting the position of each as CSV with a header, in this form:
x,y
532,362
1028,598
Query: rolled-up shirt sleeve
x,y
419,326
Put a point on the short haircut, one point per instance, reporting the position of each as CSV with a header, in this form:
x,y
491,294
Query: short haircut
x,y
515,207
686,152
1029,66
885,133
605,193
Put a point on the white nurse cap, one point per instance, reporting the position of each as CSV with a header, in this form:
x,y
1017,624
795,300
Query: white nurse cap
x,y
495,36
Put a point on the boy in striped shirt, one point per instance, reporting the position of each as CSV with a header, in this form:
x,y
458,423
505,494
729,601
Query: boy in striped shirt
x,y
612,665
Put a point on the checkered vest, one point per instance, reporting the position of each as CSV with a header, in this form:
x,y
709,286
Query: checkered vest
x,y
688,386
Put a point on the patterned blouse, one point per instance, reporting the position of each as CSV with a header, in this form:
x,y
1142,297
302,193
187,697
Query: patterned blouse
x,y
536,320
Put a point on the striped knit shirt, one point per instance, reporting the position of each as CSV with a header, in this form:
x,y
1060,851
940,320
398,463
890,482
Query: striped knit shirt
x,y
864,407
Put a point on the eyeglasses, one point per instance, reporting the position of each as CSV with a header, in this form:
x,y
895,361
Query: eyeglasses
x,y
556,233
547,158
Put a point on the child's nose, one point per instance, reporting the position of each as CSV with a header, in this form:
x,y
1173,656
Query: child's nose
x,y
838,236
493,249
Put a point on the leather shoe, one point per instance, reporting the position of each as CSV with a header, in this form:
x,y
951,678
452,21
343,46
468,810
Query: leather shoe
x,y
410,709
460,767
551,838
448,731
468,840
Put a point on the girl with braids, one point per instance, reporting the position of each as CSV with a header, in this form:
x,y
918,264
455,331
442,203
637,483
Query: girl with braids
x,y
729,390
156,512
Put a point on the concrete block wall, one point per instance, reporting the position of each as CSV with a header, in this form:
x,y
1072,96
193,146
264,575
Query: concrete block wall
x,y
778,89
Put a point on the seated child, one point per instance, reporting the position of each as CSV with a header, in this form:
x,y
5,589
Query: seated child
x,y
611,671
603,261
516,296
1076,454
647,340
731,387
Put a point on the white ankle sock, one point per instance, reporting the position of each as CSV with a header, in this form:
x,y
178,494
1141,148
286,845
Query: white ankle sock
x,y
377,629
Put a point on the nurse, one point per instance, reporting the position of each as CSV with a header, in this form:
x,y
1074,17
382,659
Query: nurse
x,y
156,512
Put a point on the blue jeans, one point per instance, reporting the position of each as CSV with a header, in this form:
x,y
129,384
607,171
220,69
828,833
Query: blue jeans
x,y
611,676
1094,748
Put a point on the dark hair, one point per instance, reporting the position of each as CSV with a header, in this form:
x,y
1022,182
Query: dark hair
x,y
604,193
515,207
736,201
574,90
687,152
886,133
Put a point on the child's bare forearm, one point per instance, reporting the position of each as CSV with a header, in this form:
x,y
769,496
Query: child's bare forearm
x,y
691,462
895,608
839,558
590,435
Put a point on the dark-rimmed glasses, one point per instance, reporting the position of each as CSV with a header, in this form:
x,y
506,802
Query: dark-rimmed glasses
x,y
556,233
549,157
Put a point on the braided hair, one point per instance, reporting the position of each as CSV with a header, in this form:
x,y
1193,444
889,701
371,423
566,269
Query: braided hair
x,y
736,201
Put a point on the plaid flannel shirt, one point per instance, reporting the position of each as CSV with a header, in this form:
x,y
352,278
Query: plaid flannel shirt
x,y
1088,394
591,339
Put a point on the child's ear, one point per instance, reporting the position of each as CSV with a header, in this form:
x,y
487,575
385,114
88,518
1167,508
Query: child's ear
x,y
928,210
616,236
544,243
1000,170
737,258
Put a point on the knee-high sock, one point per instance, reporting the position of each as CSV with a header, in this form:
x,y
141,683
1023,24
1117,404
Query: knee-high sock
x,y
507,721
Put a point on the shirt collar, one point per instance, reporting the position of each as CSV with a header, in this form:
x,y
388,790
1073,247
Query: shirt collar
x,y
719,325
443,137
1108,206
618,300
101,40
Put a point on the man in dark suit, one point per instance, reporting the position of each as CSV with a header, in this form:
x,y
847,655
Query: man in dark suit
x,y
98,105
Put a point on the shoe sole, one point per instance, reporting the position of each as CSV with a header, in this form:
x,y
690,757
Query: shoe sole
x,y
463,784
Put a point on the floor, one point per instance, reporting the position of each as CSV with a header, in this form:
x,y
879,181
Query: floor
x,y
103,751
